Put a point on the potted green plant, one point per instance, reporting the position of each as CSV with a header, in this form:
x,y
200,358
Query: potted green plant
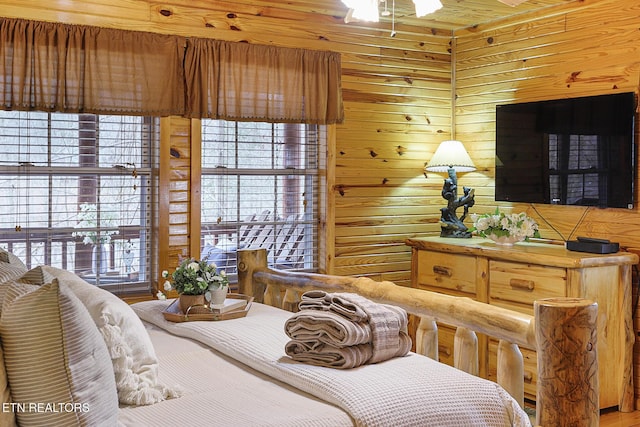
x,y
197,283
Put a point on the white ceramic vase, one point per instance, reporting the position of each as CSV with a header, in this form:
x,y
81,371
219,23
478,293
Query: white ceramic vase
x,y
505,240
218,295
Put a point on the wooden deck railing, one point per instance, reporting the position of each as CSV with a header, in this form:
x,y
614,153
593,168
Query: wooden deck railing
x,y
282,238
61,249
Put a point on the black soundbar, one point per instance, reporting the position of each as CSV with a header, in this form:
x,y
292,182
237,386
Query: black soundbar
x,y
592,245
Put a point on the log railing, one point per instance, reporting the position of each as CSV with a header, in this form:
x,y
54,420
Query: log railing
x,y
512,329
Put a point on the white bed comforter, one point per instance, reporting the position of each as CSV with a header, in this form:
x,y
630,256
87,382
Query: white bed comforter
x,y
407,391
220,392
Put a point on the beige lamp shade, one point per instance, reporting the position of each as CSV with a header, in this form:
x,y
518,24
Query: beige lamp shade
x,y
450,154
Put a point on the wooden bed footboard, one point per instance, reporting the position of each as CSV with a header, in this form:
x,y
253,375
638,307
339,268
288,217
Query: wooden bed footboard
x,y
567,356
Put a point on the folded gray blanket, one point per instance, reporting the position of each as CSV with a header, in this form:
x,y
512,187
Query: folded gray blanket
x,y
344,330
320,354
336,303
328,328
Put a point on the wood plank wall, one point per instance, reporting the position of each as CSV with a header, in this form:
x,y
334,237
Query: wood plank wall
x,y
397,94
580,49
398,102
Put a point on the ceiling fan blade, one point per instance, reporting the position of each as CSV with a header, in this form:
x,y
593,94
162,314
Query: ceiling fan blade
x,y
512,2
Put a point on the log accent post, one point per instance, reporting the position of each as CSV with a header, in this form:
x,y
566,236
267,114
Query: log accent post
x,y
510,370
427,338
465,351
249,261
567,390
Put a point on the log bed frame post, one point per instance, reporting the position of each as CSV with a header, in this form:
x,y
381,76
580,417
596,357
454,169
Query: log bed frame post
x,y
427,337
558,323
248,261
567,390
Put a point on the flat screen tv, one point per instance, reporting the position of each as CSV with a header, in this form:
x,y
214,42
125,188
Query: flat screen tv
x,y
577,151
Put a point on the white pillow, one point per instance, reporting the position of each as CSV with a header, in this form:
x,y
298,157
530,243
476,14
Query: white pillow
x,y
54,355
134,360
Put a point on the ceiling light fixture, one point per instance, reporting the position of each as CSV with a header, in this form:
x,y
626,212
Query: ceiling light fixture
x,y
361,10
367,10
425,7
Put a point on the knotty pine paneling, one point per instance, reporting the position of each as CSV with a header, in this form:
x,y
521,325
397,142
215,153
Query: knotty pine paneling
x,y
397,99
398,107
575,50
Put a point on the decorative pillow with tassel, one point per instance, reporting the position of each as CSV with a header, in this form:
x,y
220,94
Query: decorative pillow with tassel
x,y
135,364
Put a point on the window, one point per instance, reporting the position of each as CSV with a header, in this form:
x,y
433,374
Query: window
x,y
260,189
79,194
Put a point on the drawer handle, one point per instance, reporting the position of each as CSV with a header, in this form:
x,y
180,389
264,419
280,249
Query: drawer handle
x,y
526,285
528,377
445,351
441,270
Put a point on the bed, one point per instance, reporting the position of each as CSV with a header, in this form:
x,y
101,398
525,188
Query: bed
x,y
107,363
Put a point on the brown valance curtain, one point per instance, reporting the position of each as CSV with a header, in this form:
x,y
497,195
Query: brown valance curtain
x,y
240,81
71,68
74,68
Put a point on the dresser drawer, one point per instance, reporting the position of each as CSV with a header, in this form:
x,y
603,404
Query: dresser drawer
x,y
454,274
516,286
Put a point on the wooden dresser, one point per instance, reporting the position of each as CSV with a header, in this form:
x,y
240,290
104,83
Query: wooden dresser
x,y
514,276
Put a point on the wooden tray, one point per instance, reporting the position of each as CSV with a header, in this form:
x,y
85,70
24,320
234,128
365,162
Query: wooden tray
x,y
173,313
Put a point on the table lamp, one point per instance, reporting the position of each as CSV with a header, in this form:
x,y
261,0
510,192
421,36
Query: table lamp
x,y
451,157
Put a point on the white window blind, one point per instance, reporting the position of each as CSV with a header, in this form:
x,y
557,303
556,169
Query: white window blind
x,y
79,193
260,190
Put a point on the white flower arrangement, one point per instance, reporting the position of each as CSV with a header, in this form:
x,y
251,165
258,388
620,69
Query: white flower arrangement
x,y
88,218
516,225
194,277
